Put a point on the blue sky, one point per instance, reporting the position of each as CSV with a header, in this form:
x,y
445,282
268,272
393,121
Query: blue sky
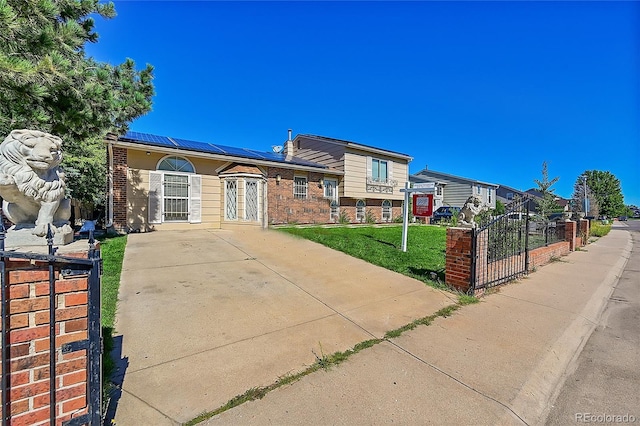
x,y
485,90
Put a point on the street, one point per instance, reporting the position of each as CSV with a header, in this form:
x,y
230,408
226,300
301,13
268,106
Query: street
x,y
602,383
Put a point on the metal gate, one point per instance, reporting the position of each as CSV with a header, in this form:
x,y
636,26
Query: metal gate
x,y
67,267
500,248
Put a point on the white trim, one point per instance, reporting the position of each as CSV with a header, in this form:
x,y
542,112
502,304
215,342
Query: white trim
x,y
306,187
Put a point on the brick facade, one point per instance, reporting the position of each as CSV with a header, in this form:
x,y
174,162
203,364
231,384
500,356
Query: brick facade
x,y
28,310
120,189
283,207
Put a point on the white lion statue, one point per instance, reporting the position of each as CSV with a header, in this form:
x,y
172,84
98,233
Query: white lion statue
x,y
472,207
31,184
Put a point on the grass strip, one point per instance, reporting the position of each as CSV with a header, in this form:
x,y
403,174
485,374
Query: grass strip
x,y
112,252
325,362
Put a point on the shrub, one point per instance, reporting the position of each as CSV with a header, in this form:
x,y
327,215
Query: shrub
x,y
598,229
344,217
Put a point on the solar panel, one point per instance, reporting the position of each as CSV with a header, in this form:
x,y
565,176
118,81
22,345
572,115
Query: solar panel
x,y
148,138
196,146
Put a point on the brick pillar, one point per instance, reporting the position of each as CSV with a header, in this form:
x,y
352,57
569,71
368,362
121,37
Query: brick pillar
x,y
570,234
584,231
28,341
458,258
120,189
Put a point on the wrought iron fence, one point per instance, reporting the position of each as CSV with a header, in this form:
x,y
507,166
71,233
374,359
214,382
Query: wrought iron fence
x,y
543,232
500,247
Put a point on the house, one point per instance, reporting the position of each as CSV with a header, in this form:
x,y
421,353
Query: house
x,y
454,191
563,203
371,177
160,182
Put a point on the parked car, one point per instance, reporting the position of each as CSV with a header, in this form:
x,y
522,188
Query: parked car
x,y
444,213
622,218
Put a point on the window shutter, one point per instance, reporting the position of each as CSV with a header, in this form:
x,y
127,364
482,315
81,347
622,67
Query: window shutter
x,y
155,197
369,168
195,184
390,170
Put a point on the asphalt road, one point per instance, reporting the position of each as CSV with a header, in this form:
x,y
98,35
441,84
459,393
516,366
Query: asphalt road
x,y
605,386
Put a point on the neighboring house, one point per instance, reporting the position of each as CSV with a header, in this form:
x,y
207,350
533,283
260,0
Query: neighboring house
x,y
158,182
456,189
563,203
507,195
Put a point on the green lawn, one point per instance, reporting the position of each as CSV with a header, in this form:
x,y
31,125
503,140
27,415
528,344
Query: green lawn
x,y
112,251
381,246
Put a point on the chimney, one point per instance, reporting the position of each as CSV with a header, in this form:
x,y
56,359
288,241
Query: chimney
x,y
288,146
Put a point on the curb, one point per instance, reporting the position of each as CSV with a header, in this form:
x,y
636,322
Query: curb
x,y
534,400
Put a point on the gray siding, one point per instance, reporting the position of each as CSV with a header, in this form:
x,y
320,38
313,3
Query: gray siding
x,y
329,154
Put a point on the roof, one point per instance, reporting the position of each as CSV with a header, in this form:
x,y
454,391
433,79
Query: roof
x,y
357,145
215,150
439,175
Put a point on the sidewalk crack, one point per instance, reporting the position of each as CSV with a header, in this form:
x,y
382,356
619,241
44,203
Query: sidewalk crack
x,y
484,395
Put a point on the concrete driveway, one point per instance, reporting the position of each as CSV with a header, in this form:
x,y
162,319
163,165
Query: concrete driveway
x,y
206,315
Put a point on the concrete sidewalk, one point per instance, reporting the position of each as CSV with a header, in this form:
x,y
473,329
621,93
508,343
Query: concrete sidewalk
x,y
206,315
496,362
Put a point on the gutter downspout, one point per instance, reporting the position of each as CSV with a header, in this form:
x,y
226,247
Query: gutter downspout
x,y
109,223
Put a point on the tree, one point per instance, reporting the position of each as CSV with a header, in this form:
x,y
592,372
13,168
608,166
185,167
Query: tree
x,y
606,191
548,203
48,83
582,191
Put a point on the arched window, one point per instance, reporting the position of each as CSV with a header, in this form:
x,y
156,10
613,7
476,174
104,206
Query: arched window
x,y
386,211
360,210
174,192
334,215
176,164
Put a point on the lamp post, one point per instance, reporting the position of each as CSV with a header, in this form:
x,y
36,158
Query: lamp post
x,y
586,200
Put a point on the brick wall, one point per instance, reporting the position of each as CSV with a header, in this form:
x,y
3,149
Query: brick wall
x,y
458,258
120,189
284,208
28,340
543,255
584,231
570,234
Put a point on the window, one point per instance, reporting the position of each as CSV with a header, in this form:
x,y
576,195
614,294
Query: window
x,y
379,170
299,187
174,192
231,199
478,190
509,195
251,200
489,195
438,190
386,211
334,215
360,210
176,164
176,197
331,189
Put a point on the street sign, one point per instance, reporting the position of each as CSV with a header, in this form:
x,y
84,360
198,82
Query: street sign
x,y
422,205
